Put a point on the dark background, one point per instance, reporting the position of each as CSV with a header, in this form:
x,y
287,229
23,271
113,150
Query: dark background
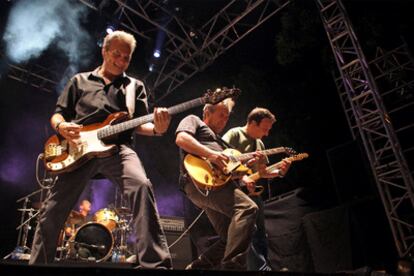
x,y
285,65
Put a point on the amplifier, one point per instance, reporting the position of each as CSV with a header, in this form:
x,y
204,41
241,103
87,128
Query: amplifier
x,y
181,251
173,224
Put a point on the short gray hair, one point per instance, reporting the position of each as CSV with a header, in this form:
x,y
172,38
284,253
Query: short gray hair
x,y
228,102
120,35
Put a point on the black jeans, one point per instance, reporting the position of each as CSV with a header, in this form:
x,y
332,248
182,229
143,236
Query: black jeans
x,y
257,256
124,169
233,215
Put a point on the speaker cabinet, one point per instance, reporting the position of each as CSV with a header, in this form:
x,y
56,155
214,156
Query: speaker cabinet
x,y
181,251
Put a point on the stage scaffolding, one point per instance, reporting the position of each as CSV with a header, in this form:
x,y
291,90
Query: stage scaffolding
x,y
374,95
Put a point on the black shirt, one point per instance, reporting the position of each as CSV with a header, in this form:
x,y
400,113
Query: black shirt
x,y
86,99
202,133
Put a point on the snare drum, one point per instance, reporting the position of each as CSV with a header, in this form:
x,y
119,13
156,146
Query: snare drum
x,y
106,217
91,242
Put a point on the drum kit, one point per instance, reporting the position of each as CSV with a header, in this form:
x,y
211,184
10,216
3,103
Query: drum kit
x,y
97,240
100,239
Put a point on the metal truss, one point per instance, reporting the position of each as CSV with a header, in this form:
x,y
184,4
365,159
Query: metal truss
x,y
187,49
41,77
393,71
370,121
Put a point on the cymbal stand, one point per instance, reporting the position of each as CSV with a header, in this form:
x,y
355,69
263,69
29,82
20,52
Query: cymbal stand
x,y
25,226
121,251
123,211
46,183
22,230
21,250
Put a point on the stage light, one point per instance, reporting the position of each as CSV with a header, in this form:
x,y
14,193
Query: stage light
x,y
110,29
151,68
157,53
193,34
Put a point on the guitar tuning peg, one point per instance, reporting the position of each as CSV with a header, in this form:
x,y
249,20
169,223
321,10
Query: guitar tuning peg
x,y
291,151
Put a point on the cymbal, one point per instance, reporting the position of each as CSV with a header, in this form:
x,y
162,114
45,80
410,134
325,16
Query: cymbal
x,y
75,218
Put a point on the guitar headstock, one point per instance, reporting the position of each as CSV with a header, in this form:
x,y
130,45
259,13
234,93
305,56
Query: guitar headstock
x,y
216,96
299,156
290,151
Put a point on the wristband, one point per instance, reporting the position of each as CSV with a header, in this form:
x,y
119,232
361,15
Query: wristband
x,y
57,126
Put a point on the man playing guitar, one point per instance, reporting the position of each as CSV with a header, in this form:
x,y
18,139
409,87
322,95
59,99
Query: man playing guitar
x,y
87,99
231,212
248,138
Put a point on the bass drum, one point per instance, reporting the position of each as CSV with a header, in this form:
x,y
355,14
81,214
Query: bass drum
x,y
91,242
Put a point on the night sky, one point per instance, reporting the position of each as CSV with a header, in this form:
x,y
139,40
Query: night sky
x,y
284,65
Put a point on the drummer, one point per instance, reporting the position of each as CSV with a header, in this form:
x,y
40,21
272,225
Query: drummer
x,y
77,219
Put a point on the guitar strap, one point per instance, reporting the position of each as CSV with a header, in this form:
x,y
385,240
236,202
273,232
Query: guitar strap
x,y
223,143
131,94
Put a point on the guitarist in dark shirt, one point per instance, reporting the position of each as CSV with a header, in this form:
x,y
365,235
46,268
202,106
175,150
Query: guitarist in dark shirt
x,y
89,98
231,212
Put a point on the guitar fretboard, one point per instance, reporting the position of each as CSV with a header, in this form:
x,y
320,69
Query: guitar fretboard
x,y
249,155
297,157
121,127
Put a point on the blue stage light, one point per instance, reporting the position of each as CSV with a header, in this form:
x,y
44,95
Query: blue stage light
x,y
157,53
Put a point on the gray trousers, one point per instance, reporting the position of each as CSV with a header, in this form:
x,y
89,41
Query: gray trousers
x,y
232,214
124,169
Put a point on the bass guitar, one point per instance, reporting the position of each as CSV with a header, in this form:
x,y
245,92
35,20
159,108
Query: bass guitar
x,y
209,177
96,140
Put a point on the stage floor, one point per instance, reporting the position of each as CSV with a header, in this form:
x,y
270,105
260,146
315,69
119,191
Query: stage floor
x,y
13,268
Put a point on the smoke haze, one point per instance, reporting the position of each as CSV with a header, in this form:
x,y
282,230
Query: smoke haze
x,y
33,25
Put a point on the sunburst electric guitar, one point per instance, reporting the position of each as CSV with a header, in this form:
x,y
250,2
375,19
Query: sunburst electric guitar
x,y
96,140
207,176
256,176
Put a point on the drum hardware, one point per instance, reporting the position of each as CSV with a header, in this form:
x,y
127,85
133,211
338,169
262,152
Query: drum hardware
x,y
92,242
22,252
74,220
123,211
100,239
93,246
121,251
119,255
28,213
